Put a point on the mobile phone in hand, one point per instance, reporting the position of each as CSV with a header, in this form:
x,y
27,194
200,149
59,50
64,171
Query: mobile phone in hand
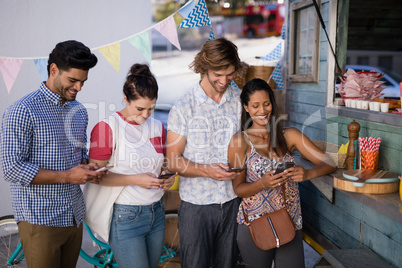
x,y
166,175
283,166
102,169
239,169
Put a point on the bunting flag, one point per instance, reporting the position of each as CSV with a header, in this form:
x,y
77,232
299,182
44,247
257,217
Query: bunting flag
x,y
233,83
283,32
211,35
10,68
195,13
141,42
112,55
41,66
277,76
167,28
275,54
187,8
197,17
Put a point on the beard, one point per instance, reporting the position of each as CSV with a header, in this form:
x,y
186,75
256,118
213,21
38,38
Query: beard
x,y
64,91
216,88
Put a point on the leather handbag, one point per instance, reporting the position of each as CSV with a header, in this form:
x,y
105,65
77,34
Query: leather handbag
x,y
273,229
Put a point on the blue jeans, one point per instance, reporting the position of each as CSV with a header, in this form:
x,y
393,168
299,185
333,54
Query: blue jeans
x,y
208,235
137,234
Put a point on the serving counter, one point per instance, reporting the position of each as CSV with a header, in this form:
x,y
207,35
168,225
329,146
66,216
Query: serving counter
x,y
347,220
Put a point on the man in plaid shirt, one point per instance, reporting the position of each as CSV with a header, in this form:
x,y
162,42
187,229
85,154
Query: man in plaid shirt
x,y
43,150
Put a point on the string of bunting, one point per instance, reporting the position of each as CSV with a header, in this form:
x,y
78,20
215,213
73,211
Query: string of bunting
x,y
194,12
276,55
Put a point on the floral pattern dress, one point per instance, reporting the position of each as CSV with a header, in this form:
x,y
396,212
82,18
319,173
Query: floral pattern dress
x,y
269,200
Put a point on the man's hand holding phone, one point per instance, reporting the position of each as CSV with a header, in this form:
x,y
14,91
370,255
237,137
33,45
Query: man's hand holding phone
x,y
101,172
237,169
102,169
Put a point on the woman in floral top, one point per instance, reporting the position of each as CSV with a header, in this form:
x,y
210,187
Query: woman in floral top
x,y
261,146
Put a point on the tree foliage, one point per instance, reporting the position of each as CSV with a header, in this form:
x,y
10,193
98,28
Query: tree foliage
x,y
167,9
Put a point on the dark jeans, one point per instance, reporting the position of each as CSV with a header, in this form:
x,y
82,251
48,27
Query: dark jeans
x,y
288,255
208,235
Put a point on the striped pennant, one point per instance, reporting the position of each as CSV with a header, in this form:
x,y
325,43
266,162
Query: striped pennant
x,y
275,54
211,35
277,76
233,83
197,17
283,32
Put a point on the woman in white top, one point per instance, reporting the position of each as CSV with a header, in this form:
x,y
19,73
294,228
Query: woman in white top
x,y
131,143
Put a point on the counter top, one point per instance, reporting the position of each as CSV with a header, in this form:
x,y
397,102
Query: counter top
x,y
372,116
387,204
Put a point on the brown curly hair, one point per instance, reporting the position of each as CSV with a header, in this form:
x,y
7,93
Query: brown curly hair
x,y
217,54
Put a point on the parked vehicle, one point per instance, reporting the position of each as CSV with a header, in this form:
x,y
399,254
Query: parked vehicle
x,y
391,79
259,20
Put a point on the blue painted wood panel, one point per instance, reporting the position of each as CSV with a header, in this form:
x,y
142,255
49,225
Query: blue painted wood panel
x,y
350,224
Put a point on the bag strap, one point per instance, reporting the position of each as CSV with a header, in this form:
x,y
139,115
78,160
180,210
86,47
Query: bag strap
x,y
114,124
245,216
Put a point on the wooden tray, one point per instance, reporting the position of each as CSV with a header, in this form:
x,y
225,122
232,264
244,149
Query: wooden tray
x,y
368,181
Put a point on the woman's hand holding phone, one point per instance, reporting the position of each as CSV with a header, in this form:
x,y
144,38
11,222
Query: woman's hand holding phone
x,y
167,179
283,166
166,175
275,178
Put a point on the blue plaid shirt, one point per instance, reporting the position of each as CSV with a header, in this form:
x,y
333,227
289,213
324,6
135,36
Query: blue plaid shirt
x,y
38,131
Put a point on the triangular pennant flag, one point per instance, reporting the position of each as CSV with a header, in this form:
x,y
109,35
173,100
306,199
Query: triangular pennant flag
x,y
211,34
167,28
141,42
112,55
277,76
197,17
275,54
10,68
233,83
187,8
283,32
41,66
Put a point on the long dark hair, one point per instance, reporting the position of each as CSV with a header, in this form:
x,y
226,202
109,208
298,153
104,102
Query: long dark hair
x,y
278,141
140,83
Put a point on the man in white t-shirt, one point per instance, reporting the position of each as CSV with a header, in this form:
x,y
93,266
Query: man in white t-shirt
x,y
200,127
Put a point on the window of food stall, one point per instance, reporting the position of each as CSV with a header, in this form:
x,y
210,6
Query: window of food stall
x,y
370,31
304,37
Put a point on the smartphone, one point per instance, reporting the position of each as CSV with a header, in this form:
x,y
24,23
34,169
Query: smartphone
x,y
166,176
102,169
238,169
283,166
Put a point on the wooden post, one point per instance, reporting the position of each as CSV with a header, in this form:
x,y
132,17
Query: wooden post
x,y
353,129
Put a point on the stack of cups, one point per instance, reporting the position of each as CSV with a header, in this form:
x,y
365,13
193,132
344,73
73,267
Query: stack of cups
x,y
378,106
359,104
367,105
